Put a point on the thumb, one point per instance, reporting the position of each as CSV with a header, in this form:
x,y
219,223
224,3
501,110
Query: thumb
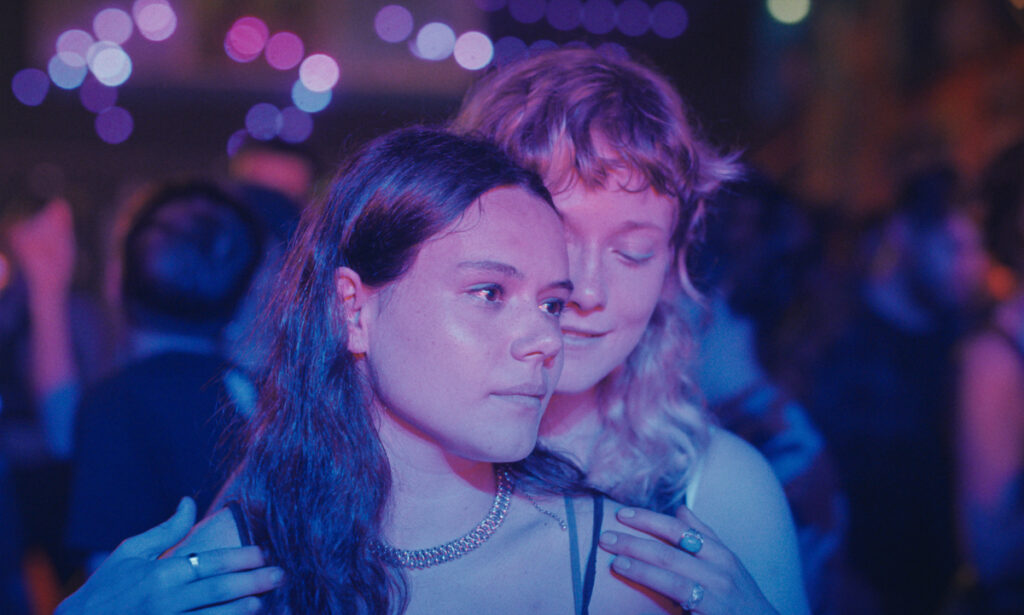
x,y
155,541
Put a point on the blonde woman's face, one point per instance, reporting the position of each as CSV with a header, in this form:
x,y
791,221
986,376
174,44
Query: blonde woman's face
x,y
619,254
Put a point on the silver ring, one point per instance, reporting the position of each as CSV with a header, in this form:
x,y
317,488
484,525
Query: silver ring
x,y
193,561
696,595
691,541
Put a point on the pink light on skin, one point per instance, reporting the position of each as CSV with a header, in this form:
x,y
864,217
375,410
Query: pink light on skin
x,y
669,19
30,86
393,23
155,19
73,47
284,50
473,50
319,72
246,38
435,41
113,25
114,125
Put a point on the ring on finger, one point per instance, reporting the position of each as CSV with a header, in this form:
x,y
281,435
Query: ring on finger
x,y
696,595
691,541
193,562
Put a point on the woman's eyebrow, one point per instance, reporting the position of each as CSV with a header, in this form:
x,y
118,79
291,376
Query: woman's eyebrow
x,y
509,271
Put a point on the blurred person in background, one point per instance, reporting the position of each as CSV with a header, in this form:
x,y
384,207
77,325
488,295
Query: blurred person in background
x,y
752,266
882,394
990,418
145,435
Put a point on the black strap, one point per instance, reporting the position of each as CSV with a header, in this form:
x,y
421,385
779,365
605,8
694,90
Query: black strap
x,y
588,577
244,535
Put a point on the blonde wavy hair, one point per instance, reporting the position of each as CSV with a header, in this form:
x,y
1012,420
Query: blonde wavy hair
x,y
584,115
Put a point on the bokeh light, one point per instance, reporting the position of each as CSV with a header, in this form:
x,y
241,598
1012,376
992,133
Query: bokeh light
x,y
490,5
97,97
30,86
73,47
109,63
435,41
634,17
155,19
565,14
612,49
508,49
246,38
599,16
319,72
789,11
473,50
284,50
114,125
669,19
263,121
296,125
113,25
393,23
236,141
309,101
527,11
64,75
542,45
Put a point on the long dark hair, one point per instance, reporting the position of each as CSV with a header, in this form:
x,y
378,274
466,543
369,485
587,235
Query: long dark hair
x,y
315,477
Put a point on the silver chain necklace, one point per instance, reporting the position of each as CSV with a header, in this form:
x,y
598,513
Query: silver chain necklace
x,y
454,549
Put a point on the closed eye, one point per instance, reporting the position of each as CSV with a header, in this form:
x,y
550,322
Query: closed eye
x,y
635,258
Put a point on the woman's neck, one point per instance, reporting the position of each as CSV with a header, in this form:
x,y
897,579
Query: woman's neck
x,y
572,425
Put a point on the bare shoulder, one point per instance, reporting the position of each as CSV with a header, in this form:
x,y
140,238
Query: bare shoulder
x,y
217,531
614,593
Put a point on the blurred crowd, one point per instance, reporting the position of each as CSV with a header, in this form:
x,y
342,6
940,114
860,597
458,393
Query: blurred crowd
x,y
870,346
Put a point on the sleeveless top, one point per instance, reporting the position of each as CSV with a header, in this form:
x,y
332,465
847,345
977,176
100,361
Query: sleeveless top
x,y
582,582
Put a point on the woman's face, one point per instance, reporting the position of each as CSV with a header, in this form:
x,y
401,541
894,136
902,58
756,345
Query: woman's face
x,y
464,349
619,254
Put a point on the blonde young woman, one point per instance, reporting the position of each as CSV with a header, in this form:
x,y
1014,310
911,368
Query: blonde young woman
x,y
629,175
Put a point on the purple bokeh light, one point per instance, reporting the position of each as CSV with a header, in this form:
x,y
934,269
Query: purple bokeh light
x,y
669,19
263,121
296,125
155,19
235,141
565,14
319,72
113,25
97,97
393,23
634,17
527,11
508,49
30,86
109,63
73,47
490,5
246,38
473,50
114,125
435,41
284,50
599,16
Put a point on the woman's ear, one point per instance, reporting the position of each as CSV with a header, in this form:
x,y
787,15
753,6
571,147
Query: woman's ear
x,y
354,297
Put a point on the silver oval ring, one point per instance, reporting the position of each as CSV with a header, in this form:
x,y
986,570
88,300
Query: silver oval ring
x,y
696,595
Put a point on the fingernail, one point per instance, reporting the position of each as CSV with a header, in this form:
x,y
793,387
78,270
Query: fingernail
x,y
626,513
608,538
276,576
621,563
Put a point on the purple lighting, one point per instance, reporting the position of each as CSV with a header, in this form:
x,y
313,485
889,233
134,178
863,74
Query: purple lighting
x,y
296,125
508,49
263,121
473,50
155,19
565,14
284,50
113,25
245,39
669,19
109,63
393,23
30,86
599,16
64,75
114,125
435,41
490,5
634,17
97,97
319,72
73,47
527,11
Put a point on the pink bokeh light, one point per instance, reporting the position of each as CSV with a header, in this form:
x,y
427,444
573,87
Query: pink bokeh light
x,y
113,25
473,50
114,125
284,50
319,72
393,23
246,38
30,86
155,19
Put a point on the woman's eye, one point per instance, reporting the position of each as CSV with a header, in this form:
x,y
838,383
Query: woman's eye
x,y
635,258
488,293
555,307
